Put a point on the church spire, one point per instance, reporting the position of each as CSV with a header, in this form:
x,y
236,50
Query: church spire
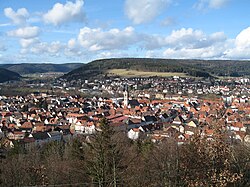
x,y
125,96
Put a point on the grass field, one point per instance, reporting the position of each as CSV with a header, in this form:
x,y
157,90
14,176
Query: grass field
x,y
134,73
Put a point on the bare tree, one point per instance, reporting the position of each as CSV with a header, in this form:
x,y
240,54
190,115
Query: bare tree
x,y
208,161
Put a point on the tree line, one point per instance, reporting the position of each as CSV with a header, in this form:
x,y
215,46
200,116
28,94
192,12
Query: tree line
x,y
197,68
109,159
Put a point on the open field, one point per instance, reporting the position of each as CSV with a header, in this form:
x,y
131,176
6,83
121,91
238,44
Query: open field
x,y
134,73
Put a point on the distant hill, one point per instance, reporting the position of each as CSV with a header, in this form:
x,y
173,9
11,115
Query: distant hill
x,y
25,68
6,75
197,68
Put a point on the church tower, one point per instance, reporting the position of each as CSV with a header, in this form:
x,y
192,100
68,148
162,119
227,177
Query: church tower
x,y
125,96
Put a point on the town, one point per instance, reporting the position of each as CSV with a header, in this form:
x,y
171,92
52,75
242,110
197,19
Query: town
x,y
136,122
151,93
155,107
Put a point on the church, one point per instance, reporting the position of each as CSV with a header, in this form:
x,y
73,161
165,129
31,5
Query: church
x,y
127,102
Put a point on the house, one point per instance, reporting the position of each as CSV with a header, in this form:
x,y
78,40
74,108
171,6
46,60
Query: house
x,y
237,126
149,119
133,134
191,124
26,127
7,143
190,130
79,127
55,136
177,120
28,143
40,137
134,123
65,131
133,103
90,127
16,135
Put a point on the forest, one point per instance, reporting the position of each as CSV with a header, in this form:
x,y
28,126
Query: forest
x,y
197,68
108,158
7,75
31,68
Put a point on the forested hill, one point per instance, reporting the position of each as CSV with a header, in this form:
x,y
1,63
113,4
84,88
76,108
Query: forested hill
x,y
26,68
198,68
6,75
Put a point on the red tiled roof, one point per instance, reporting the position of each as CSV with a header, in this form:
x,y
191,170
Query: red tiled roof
x,y
26,125
237,124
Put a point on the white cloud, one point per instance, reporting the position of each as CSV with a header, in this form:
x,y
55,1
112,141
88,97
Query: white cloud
x,y
217,3
185,42
188,38
12,58
241,46
25,43
92,43
74,53
143,11
213,4
53,48
72,43
154,54
25,32
98,39
242,41
19,17
211,52
73,48
214,46
184,37
69,12
236,53
113,54
188,43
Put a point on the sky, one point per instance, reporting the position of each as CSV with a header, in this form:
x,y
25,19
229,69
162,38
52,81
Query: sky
x,y
58,31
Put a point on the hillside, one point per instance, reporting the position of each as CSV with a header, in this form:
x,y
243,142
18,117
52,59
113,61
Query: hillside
x,y
197,68
6,75
135,73
23,69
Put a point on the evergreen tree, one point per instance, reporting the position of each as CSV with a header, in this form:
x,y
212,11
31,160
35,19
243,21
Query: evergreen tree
x,y
105,164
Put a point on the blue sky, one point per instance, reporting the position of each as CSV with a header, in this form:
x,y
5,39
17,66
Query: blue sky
x,y
58,31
